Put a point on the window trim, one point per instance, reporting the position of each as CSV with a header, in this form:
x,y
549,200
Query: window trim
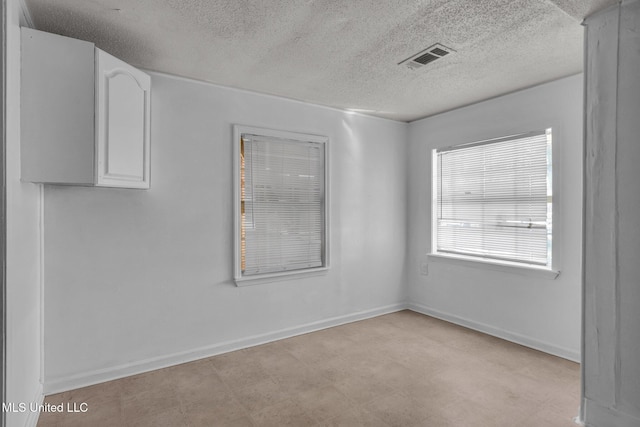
x,y
551,271
239,279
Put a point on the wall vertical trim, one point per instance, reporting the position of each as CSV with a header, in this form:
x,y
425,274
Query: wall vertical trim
x,y
581,411
3,213
41,235
616,225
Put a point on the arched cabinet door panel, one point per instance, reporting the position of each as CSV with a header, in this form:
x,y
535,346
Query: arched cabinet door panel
x,y
122,123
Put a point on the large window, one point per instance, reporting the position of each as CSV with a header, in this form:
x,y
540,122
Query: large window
x,y
281,221
492,200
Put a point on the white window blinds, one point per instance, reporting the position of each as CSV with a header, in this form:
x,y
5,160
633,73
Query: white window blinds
x,y
282,204
493,199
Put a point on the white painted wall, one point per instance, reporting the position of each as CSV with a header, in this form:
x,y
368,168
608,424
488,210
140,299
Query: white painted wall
x,y
612,236
23,250
136,280
535,311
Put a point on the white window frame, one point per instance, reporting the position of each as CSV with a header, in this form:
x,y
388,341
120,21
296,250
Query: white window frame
x,y
549,271
240,280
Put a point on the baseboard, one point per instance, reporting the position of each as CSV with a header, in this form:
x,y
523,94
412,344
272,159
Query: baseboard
x,y
71,382
597,415
32,417
565,353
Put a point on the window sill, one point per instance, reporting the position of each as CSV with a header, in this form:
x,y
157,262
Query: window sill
x,y
258,279
504,266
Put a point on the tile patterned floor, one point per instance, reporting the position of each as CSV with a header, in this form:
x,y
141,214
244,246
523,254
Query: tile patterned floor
x,y
402,369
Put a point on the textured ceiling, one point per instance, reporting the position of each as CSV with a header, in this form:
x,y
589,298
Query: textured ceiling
x,y
339,53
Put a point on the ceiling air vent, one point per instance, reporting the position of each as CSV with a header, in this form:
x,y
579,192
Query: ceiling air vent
x,y
427,56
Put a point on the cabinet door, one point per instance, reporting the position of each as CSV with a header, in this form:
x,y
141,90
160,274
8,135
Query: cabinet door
x,y
122,123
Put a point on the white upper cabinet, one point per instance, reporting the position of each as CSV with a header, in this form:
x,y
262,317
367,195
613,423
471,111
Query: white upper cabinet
x,y
85,115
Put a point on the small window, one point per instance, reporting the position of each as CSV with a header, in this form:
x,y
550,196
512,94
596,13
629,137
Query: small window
x,y
281,220
492,200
